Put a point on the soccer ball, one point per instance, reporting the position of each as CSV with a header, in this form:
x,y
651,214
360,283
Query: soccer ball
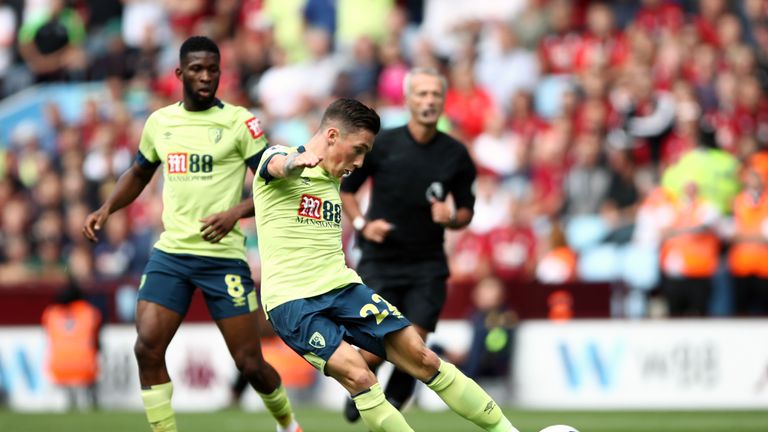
x,y
559,428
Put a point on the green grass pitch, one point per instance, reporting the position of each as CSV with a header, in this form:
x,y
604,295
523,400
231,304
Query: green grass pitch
x,y
317,420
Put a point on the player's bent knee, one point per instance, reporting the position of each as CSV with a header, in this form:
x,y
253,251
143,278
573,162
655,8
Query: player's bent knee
x,y
430,363
360,379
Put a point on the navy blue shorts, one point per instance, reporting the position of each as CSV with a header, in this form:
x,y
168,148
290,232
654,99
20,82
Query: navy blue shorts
x,y
314,327
418,288
170,280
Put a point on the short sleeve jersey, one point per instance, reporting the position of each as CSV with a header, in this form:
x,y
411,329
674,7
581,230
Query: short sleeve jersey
x,y
204,155
299,226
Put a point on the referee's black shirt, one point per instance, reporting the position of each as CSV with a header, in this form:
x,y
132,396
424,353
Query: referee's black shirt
x,y
404,174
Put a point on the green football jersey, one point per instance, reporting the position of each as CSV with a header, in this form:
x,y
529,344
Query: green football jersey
x,y
203,156
299,226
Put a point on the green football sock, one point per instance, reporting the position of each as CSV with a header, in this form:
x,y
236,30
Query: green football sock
x,y
378,414
278,404
157,404
468,399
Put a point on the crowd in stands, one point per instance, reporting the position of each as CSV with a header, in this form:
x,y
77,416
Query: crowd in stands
x,y
617,142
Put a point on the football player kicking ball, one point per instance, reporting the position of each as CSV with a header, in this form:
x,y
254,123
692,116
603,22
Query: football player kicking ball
x,y
203,146
317,304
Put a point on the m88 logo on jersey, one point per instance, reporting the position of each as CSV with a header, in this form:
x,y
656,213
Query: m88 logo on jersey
x,y
182,163
313,207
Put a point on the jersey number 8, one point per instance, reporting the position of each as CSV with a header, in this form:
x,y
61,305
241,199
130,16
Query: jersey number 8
x,y
234,285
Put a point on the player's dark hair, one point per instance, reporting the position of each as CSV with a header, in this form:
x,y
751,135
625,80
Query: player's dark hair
x,y
197,44
352,114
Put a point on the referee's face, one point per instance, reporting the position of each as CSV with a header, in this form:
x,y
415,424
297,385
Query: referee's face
x,y
426,98
199,73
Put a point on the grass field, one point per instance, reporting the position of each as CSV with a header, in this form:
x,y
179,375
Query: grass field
x,y
316,420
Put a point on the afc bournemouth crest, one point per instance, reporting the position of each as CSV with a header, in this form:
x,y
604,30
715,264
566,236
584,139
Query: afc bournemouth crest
x,y
214,135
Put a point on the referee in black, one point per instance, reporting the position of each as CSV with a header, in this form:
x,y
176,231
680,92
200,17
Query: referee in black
x,y
422,184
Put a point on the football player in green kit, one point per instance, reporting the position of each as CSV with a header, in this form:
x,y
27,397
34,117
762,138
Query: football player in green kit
x,y
204,147
317,304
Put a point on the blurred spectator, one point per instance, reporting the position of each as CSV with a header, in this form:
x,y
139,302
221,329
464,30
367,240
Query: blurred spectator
x,y
30,160
321,66
557,49
361,20
467,104
72,326
749,246
587,182
602,46
116,257
713,170
74,215
47,234
144,26
557,263
80,266
497,149
281,88
359,76
7,39
659,17
468,261
690,252
493,333
16,216
513,246
531,24
17,267
499,53
647,115
619,208
51,43
322,15
491,204
394,68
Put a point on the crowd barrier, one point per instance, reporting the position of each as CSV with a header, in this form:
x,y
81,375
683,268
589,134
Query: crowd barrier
x,y
581,364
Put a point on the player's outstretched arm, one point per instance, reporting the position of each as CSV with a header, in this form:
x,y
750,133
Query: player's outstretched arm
x,y
281,166
128,187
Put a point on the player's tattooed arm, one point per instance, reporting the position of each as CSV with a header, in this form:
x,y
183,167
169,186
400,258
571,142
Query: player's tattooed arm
x,y
292,165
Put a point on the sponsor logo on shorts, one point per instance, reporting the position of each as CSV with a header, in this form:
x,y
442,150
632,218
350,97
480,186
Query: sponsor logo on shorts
x,y
317,340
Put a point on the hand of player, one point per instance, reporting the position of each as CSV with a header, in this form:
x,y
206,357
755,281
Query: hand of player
x,y
441,212
377,230
307,159
216,226
93,223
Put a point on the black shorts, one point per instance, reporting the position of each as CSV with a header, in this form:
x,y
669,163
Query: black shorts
x,y
417,289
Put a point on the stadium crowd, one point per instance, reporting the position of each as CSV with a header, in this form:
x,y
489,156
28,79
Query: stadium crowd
x,y
616,142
